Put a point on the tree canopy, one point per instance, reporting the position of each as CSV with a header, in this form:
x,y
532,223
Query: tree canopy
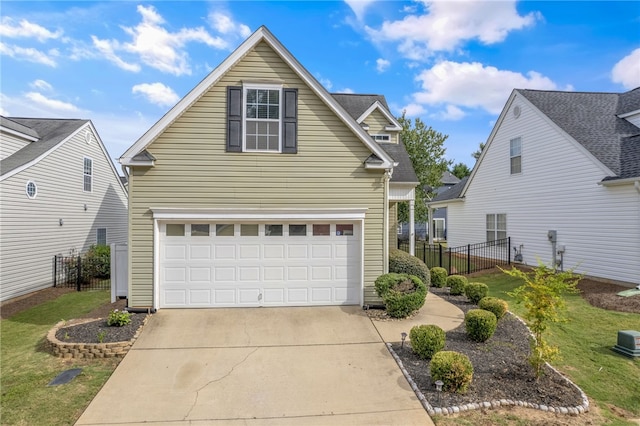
x,y
426,150
460,170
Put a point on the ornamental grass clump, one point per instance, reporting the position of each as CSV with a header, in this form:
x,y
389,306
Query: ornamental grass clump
x,y
480,324
476,291
454,369
426,340
118,318
456,284
402,294
438,276
499,307
401,262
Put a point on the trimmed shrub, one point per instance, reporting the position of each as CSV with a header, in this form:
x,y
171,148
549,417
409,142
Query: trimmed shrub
x,y
499,307
96,263
476,291
438,276
456,284
426,340
480,324
401,262
454,369
402,293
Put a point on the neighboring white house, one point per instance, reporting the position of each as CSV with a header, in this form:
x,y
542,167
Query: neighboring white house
x,y
59,192
560,175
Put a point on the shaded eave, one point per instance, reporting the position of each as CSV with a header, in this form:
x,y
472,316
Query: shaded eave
x,y
261,34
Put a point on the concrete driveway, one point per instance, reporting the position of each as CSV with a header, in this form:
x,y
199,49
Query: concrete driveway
x,y
260,366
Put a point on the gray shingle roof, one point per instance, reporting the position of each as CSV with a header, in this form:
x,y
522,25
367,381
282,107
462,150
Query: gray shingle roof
x,y
452,192
403,172
448,178
50,132
17,127
590,118
356,104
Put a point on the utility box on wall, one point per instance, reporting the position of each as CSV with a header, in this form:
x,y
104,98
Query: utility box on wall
x,y
628,343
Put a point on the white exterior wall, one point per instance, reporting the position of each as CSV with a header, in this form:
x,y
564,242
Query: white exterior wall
x,y
10,144
30,233
557,190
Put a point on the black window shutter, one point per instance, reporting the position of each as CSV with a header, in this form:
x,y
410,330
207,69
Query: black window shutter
x,y
234,119
290,122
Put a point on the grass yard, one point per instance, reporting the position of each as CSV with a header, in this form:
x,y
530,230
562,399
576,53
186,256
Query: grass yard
x,y
585,341
26,368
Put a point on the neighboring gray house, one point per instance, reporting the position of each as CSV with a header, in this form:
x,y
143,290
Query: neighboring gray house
x,y
560,175
59,193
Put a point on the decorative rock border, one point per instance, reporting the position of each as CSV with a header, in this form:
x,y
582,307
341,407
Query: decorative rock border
x,y
574,411
89,350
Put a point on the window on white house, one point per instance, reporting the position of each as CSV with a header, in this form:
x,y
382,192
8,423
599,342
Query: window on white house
x,y
32,190
101,236
438,229
515,152
496,226
262,119
88,174
381,138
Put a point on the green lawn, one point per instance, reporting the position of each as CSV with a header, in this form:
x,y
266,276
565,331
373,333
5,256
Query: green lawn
x,y
26,368
585,342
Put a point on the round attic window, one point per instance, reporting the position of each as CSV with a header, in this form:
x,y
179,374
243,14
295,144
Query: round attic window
x,y
516,111
32,190
87,136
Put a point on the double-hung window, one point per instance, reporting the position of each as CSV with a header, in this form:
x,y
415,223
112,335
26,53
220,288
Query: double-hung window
x,y
88,174
262,118
515,154
496,226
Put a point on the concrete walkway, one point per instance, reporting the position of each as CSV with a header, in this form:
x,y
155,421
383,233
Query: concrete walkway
x,y
264,366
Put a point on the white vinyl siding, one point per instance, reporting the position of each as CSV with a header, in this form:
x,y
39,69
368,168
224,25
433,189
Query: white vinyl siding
x,y
598,225
11,144
193,170
30,231
378,124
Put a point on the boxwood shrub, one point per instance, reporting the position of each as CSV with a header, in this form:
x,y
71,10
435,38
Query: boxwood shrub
x,y
499,307
402,262
456,284
426,340
438,276
480,324
454,369
476,291
402,294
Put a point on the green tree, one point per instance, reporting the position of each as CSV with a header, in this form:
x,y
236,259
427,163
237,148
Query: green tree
x,y
460,170
476,154
426,150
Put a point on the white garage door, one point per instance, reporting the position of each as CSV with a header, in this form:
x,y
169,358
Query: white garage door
x,y
259,264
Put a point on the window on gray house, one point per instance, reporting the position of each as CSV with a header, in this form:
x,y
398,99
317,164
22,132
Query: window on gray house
x,y
101,236
515,151
496,226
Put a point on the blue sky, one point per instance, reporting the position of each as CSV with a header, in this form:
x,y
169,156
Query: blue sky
x,y
453,64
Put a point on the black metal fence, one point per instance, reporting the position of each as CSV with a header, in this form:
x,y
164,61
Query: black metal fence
x,y
81,273
464,259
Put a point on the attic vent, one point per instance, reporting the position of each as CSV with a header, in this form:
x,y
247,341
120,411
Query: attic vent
x,y
516,111
87,136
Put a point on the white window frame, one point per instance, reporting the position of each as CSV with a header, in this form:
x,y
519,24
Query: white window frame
x,y
381,137
513,156
435,228
399,229
245,89
98,235
85,175
26,190
493,223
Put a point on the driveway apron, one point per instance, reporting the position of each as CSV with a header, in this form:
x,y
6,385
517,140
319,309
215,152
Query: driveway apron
x,y
258,366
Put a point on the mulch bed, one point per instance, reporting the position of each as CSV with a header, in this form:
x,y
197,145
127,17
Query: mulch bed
x,y
100,332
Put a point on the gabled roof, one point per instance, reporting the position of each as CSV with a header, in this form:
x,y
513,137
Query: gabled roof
x,y
452,192
13,127
50,133
361,106
629,102
591,119
262,34
449,178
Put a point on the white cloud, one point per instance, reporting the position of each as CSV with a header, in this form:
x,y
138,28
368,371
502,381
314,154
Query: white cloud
x,y
26,29
382,64
41,84
450,113
53,104
359,7
474,85
414,110
155,46
627,70
324,81
346,90
156,93
224,24
29,54
448,24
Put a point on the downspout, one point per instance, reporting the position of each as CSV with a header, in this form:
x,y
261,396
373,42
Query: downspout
x,y
385,220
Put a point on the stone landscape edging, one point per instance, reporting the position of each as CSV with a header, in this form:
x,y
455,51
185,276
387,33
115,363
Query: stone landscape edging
x,y
89,350
574,411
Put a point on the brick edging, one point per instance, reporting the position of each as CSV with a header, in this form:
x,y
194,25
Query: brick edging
x,y
89,350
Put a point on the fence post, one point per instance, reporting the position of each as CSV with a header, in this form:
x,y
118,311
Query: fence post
x,y
468,258
449,252
55,270
424,252
509,250
440,255
79,273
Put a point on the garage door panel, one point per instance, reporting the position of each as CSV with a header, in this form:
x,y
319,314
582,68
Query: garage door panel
x,y
225,273
274,296
249,296
274,251
224,251
175,274
200,275
224,296
297,251
321,295
297,273
321,273
321,251
274,273
248,274
297,296
249,251
175,298
176,252
200,297
200,252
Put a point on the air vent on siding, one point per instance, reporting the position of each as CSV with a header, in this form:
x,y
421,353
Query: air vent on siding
x,y
516,111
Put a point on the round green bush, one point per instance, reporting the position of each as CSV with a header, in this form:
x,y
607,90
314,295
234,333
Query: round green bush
x,y
402,294
426,340
480,324
438,276
454,369
402,262
456,284
499,307
476,291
